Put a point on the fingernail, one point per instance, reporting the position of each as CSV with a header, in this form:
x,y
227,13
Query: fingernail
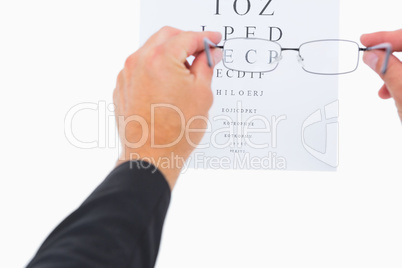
x,y
371,59
217,55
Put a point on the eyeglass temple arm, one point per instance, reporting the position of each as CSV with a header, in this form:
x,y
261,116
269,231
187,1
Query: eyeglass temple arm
x,y
388,50
207,45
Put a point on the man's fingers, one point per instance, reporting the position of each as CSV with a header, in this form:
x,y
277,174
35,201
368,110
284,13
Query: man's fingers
x,y
186,44
392,77
383,93
394,38
162,36
158,38
200,68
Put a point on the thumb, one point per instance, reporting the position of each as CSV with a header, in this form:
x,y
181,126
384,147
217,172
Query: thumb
x,y
393,76
200,68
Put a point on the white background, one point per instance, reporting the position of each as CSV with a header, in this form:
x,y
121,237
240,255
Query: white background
x,y
56,54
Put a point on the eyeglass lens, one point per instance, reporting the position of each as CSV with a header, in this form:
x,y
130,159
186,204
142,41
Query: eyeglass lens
x,y
320,57
323,57
251,55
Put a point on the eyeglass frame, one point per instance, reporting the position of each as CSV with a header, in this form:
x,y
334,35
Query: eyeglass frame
x,y
386,46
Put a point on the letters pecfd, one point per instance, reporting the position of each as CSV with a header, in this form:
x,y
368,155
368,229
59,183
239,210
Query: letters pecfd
x,y
270,33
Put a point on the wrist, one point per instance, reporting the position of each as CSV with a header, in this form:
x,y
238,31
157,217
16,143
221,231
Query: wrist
x,y
169,164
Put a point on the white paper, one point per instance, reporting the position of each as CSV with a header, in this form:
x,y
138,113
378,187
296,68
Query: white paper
x,y
298,110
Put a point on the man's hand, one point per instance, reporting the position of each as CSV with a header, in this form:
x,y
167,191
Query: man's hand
x,y
392,87
159,97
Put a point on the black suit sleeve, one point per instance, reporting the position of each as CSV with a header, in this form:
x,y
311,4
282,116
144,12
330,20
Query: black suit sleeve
x,y
118,225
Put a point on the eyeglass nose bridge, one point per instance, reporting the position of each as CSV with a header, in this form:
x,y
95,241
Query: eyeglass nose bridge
x,y
299,57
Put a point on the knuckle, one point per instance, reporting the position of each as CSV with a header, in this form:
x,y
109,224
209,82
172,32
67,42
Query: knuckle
x,y
157,51
168,30
154,55
131,61
152,59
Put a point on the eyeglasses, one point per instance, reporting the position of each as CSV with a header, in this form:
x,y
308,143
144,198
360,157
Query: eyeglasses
x,y
323,57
